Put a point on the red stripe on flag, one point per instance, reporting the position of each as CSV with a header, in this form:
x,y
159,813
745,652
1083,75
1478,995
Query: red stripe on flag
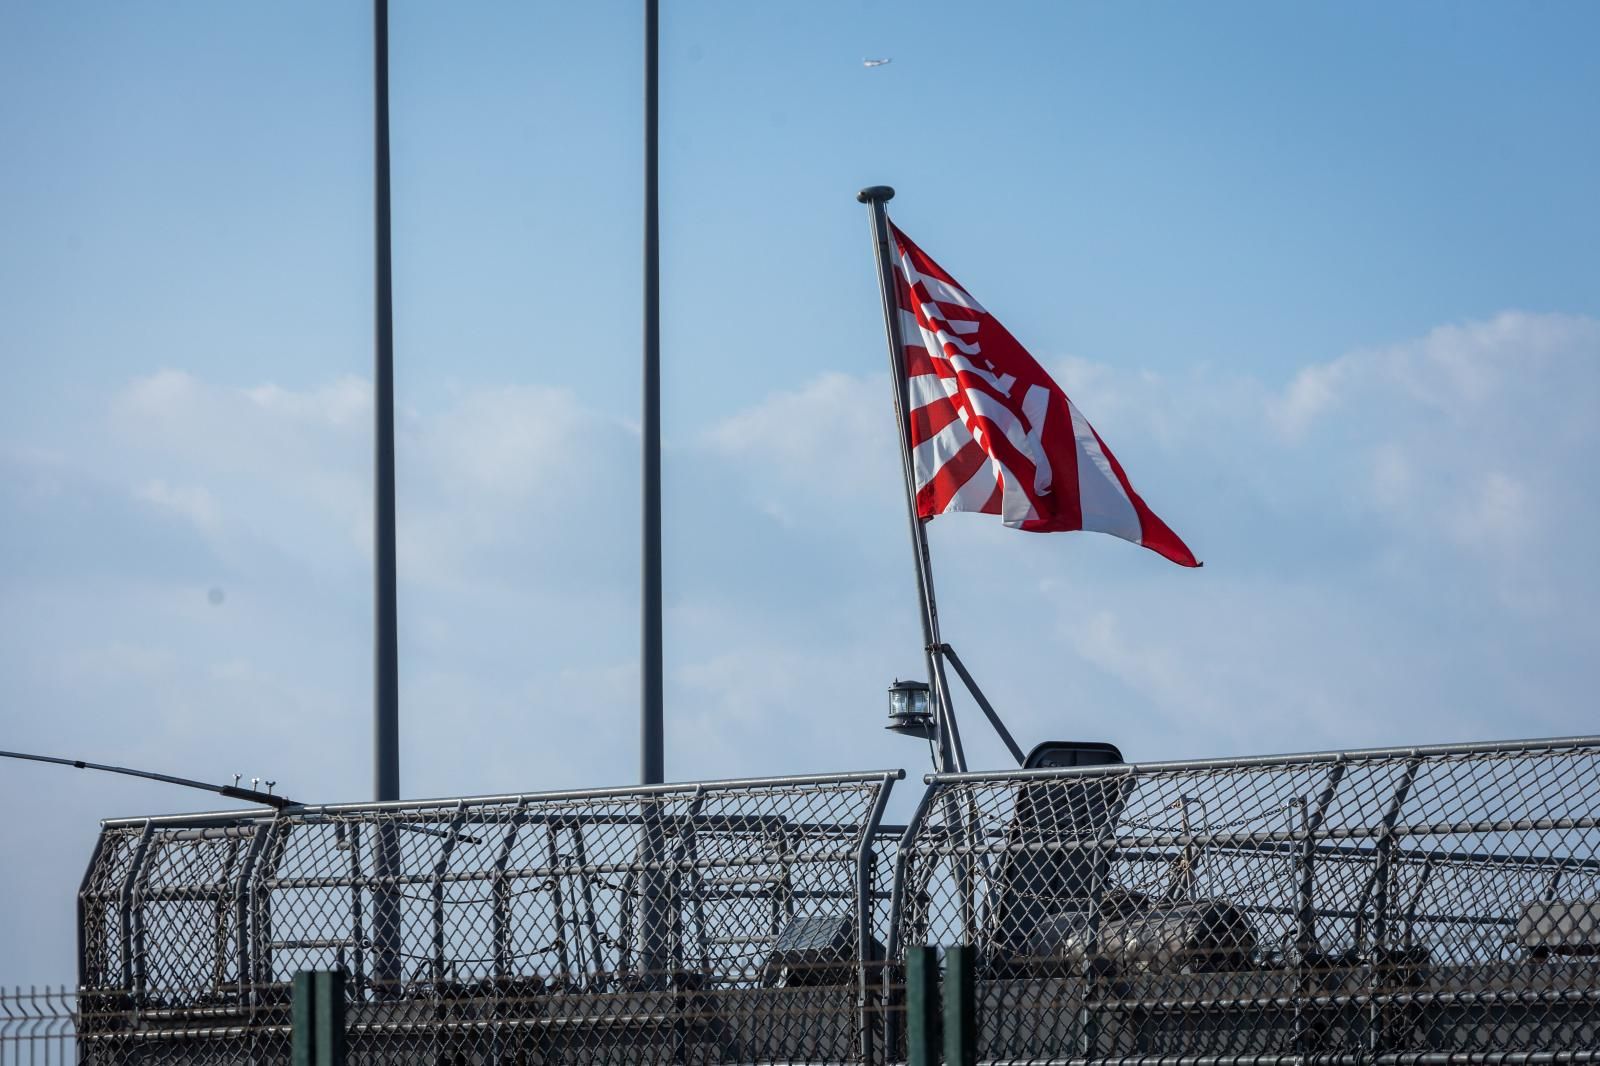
x,y
930,418
932,497
919,362
902,292
924,264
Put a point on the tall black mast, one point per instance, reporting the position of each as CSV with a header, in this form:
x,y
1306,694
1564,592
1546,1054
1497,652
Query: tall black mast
x,y
651,760
386,924
385,653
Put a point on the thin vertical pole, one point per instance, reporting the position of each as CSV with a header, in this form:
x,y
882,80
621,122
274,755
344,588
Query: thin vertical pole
x,y
951,755
303,1019
386,687
386,682
922,1005
651,760
330,1018
960,1005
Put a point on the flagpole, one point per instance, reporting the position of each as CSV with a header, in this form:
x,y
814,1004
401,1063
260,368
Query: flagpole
x,y
651,730
386,783
386,683
952,757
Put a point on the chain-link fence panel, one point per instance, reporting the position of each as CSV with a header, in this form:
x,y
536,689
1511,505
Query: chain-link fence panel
x,y
718,922
1437,905
1433,906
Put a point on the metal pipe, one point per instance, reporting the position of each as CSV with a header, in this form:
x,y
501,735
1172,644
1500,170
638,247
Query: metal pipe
x,y
864,901
558,904
357,911
440,867
202,818
500,919
984,705
1379,888
266,799
897,901
1306,926
951,758
1243,839
126,902
385,646
385,655
84,896
1306,912
591,918
651,728
242,913
1493,997
1553,745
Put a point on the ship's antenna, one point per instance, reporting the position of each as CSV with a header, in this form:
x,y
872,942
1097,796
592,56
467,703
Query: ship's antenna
x,y
232,791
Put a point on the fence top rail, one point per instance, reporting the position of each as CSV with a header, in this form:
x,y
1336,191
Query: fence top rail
x,y
1247,762
207,818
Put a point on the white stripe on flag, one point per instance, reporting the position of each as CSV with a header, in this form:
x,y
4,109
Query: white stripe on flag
x,y
1106,508
937,338
925,389
911,330
939,290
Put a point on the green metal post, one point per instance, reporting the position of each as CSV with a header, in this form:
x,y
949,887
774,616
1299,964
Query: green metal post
x,y
922,1006
316,1016
960,1006
302,1020
330,1018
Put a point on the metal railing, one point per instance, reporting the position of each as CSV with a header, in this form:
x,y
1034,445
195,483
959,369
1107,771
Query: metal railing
x,y
1418,905
1434,906
723,921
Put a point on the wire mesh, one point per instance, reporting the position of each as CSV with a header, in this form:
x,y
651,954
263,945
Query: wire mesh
x,y
721,922
1439,906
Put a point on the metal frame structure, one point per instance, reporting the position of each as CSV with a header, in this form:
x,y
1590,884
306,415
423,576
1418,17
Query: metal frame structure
x,y
1429,905
725,921
1435,905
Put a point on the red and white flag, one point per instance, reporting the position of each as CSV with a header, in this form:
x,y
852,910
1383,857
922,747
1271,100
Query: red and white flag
x,y
992,433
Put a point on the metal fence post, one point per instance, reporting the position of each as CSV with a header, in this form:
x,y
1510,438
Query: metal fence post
x,y
960,1006
922,1006
303,1020
330,1018
316,1015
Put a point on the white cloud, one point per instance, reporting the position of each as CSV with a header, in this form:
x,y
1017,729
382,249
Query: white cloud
x,y
1313,392
833,435
1456,370
291,467
190,501
345,402
1398,548
508,442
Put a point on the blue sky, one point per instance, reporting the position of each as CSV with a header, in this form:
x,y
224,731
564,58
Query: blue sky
x,y
1324,276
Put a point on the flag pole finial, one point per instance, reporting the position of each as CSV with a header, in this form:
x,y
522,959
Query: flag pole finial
x,y
876,194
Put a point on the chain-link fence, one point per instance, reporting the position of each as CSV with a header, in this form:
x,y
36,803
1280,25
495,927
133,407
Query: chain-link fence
x,y
722,922
1436,905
